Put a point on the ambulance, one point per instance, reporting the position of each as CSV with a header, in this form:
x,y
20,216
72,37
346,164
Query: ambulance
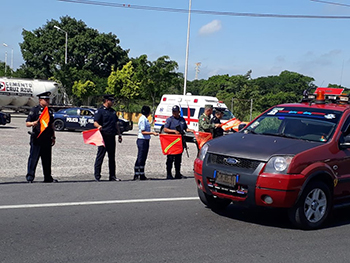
x,y
192,107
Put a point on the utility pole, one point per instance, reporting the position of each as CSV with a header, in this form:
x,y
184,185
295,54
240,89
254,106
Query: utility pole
x,y
187,45
198,64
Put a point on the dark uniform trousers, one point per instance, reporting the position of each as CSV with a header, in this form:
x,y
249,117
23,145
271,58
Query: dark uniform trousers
x,y
44,152
143,147
109,140
176,158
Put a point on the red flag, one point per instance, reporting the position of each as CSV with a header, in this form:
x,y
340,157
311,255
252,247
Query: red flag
x,y
202,138
171,143
93,137
188,115
231,124
44,120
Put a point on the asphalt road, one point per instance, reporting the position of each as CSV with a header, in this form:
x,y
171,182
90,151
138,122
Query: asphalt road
x,y
151,221
79,220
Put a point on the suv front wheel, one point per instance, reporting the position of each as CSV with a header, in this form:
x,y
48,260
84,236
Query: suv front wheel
x,y
313,207
213,202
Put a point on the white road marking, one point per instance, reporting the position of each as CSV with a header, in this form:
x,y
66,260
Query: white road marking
x,y
99,202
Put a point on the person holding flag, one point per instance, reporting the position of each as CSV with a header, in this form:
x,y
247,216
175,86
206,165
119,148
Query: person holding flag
x,y
42,138
143,139
175,124
106,121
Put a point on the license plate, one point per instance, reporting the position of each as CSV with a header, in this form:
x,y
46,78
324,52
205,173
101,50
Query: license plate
x,y
226,179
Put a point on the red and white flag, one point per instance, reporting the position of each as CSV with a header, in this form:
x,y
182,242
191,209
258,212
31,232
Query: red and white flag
x,y
231,124
202,138
93,137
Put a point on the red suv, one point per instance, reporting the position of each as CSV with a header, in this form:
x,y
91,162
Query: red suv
x,y
294,156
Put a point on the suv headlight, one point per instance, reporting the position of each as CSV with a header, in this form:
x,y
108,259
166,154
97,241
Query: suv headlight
x,y
278,164
203,152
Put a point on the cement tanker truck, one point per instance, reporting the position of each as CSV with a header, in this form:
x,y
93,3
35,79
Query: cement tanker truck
x,y
20,94
16,93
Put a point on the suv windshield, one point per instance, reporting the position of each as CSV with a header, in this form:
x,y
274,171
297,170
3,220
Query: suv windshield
x,y
299,123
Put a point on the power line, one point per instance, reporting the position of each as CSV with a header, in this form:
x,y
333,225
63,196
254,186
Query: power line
x,y
331,3
202,12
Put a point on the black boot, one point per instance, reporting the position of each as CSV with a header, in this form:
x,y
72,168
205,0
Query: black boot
x,y
169,166
178,174
136,172
142,173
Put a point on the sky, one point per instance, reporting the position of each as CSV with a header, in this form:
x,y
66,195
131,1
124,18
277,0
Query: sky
x,y
222,44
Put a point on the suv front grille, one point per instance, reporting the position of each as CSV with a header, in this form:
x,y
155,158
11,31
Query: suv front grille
x,y
235,162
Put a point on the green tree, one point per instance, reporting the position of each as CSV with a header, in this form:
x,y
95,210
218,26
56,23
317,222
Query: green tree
x,y
194,87
286,88
6,73
286,82
90,53
84,90
157,77
123,84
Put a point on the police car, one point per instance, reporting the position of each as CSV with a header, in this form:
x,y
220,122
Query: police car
x,y
79,118
294,156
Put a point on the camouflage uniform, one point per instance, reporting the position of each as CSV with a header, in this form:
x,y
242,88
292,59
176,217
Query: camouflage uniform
x,y
204,124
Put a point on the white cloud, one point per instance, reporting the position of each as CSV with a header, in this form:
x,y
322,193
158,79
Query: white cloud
x,y
210,28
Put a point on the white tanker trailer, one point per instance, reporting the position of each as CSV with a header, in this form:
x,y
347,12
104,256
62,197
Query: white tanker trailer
x,y
21,93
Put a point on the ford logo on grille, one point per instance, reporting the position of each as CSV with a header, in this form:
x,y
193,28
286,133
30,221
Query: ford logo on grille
x,y
231,161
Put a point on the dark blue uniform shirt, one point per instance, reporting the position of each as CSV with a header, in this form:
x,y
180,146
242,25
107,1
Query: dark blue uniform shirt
x,y
45,137
172,123
107,118
217,131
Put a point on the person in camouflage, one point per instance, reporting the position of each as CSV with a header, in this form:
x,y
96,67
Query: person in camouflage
x,y
204,122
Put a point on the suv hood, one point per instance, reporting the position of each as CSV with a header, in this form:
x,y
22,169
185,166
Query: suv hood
x,y
258,147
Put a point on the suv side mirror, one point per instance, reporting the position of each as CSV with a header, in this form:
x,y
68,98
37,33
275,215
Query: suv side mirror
x,y
241,126
344,142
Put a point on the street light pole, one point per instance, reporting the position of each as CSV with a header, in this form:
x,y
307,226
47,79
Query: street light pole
x,y
5,45
187,45
66,49
11,65
5,61
12,58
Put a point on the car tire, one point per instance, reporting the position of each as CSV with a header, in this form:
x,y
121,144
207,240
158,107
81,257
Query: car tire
x,y
213,202
58,125
313,207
